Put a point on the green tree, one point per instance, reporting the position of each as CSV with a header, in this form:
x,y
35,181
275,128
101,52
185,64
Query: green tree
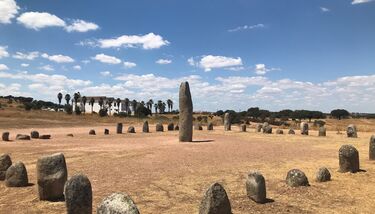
x,y
340,113
67,98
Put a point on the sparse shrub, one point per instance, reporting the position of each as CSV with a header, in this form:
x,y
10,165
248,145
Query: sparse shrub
x,y
28,106
68,109
103,112
319,123
78,110
142,111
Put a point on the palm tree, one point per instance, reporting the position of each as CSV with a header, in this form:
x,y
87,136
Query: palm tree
x,y
101,102
67,98
163,107
109,103
92,102
118,101
76,96
84,100
126,105
134,105
156,108
59,97
170,105
160,106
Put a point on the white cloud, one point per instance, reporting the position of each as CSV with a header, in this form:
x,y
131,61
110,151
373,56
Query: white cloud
x,y
324,9
191,61
261,69
28,56
8,10
81,26
148,41
212,62
77,67
129,64
25,65
106,59
37,20
361,1
246,27
12,89
47,68
3,52
58,58
105,73
3,67
86,61
163,61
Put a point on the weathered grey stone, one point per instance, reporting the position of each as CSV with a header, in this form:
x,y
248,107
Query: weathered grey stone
x,y
198,127
348,159
92,132
5,136
210,126
215,201
106,131
176,128
258,128
51,176
372,148
322,131
16,175
256,187
291,131
119,128
117,203
279,131
170,127
145,127
186,113
227,122
304,128
243,128
131,129
45,136
159,127
5,163
34,134
78,195
296,178
267,129
70,135
22,137
351,131
323,175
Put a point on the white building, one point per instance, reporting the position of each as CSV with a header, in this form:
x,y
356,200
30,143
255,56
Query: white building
x,y
96,107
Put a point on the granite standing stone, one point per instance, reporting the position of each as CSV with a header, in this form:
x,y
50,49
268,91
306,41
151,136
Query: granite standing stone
x,y
145,128
348,159
243,127
291,131
131,129
78,195
227,122
256,187
170,126
215,201
323,175
279,131
34,134
16,175
210,126
351,131
5,136
258,128
117,203
186,113
296,178
304,128
106,131
159,127
22,137
322,131
5,163
372,148
119,128
92,132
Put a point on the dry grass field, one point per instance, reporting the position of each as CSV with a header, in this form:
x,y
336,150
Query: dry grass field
x,y
165,176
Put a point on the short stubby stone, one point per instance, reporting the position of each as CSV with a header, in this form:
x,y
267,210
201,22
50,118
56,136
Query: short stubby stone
x,y
296,178
92,132
198,127
267,129
176,128
131,129
304,128
322,131
215,200
185,133
78,195
170,127
16,175
210,126
243,128
51,176
5,136
119,128
45,136
159,127
279,131
323,175
227,122
351,131
70,135
22,137
258,128
5,163
106,131
291,131
117,203
348,159
145,127
256,187
34,134
372,148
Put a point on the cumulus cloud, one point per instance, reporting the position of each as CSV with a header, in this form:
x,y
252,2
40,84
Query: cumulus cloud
x,y
26,56
163,61
261,69
148,41
361,1
47,68
58,58
3,52
324,9
216,62
129,64
105,73
8,10
77,67
3,67
106,59
12,89
246,27
81,26
25,65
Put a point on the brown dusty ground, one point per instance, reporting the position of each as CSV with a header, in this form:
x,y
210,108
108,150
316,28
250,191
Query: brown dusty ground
x,y
165,176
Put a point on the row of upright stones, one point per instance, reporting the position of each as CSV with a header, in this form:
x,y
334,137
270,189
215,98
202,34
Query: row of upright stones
x,y
33,135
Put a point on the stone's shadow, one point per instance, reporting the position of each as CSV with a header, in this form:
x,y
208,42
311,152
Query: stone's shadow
x,y
202,141
30,184
362,170
268,200
61,199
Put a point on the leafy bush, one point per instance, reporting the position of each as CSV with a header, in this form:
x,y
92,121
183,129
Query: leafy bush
x,y
103,112
68,109
28,106
78,110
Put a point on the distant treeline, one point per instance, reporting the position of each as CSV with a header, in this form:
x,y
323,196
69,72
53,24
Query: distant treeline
x,y
29,103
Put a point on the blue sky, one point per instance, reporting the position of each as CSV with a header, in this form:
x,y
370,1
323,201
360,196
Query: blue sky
x,y
274,54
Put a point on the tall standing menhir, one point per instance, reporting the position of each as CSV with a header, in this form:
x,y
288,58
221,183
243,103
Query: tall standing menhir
x,y
186,113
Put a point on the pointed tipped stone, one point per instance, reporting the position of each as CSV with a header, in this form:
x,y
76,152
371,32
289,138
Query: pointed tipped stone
x,y
215,201
227,122
186,113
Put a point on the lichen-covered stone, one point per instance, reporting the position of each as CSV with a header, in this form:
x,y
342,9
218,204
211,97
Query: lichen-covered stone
x,y
170,127
5,163
256,187
322,131
159,127
372,148
291,131
348,159
279,131
323,175
131,129
227,122
215,201
258,128
34,134
186,113
296,178
5,136
210,126
351,131
117,203
16,175
145,128
243,128
78,195
304,128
